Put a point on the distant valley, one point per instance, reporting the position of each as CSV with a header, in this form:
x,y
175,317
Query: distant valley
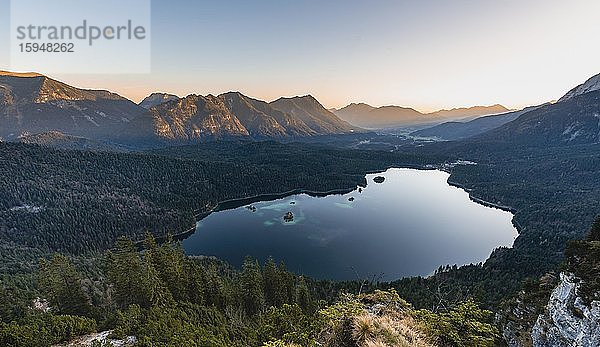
x,y
573,119
370,117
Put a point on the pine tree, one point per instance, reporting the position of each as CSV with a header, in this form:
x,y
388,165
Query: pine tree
x,y
194,283
156,292
252,287
274,295
288,284
61,285
169,260
124,273
6,312
595,232
155,266
215,288
303,295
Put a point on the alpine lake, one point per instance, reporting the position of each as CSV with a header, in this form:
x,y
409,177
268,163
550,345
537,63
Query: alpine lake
x,y
405,222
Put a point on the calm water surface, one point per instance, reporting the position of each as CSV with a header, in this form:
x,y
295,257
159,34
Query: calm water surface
x,y
408,225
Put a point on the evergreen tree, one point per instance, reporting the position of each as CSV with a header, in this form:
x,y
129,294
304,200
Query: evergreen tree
x,y
124,273
6,312
303,296
155,266
252,287
156,292
215,288
61,284
194,283
169,260
288,284
274,295
595,232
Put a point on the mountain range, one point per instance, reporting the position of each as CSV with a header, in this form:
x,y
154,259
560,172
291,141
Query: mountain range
x,y
370,117
573,119
457,130
32,104
197,117
37,109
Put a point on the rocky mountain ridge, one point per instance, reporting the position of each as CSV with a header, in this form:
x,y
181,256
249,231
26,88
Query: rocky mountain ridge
x,y
590,85
32,104
156,99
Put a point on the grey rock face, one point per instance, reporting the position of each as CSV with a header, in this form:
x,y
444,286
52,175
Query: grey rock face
x,y
568,320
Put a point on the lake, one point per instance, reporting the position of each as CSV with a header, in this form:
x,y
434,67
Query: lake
x,y
408,225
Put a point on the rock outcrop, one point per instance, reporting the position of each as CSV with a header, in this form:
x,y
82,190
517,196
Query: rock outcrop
x,y
568,320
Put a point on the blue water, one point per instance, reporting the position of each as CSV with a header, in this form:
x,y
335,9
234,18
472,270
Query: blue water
x,y
408,225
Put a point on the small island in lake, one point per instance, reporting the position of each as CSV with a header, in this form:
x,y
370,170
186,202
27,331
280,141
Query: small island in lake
x,y
379,179
251,208
351,198
288,217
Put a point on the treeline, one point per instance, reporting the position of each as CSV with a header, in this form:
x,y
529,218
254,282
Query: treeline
x,y
80,202
159,295
583,260
163,298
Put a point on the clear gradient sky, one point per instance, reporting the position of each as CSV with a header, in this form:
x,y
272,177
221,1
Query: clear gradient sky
x,y
425,54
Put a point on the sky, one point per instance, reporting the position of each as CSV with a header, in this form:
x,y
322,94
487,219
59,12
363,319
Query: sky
x,y
426,54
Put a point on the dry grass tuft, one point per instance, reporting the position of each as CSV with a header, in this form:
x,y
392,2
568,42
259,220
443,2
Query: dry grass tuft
x,y
369,330
363,328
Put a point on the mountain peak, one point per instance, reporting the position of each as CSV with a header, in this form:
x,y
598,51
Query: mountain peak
x,y
310,111
301,98
592,84
355,107
31,103
157,98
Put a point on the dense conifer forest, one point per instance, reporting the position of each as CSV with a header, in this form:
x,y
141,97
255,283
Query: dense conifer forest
x,y
69,221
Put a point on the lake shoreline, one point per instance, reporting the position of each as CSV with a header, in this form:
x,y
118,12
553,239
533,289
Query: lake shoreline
x,y
237,202
240,202
389,220
483,202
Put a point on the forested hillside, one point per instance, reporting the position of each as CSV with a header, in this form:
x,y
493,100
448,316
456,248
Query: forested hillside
x,y
80,202
160,297
553,193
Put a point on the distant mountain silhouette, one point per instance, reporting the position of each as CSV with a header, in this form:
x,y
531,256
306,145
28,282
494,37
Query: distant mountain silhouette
x,y
367,116
456,130
474,111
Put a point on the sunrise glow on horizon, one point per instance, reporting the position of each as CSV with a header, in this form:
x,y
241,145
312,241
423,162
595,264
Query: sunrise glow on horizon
x,y
427,54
